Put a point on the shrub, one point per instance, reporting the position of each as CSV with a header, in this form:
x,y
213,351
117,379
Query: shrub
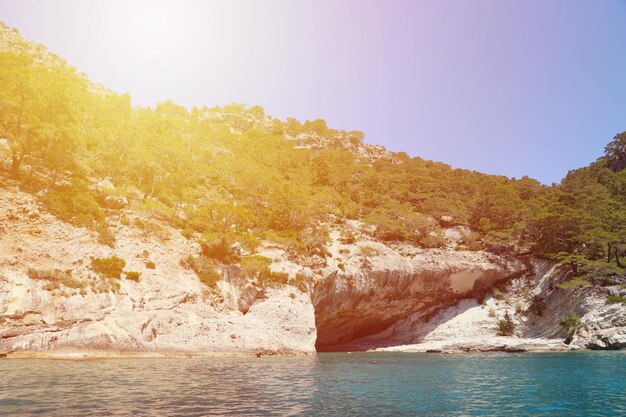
x,y
273,278
341,266
56,278
150,265
519,307
399,222
368,251
506,326
308,241
74,204
255,266
209,277
598,271
105,236
312,241
133,275
347,237
492,312
573,283
615,299
204,268
570,322
300,282
108,267
220,250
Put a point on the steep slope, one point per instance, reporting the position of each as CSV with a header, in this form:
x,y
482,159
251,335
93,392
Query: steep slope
x,y
167,230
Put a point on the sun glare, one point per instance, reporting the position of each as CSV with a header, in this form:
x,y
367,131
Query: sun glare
x,y
151,22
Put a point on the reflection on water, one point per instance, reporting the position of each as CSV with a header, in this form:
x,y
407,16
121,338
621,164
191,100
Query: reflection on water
x,y
563,384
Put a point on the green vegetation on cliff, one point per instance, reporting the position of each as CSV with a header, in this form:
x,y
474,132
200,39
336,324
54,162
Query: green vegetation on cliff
x,y
229,177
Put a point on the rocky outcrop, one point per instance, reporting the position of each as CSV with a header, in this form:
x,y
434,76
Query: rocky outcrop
x,y
342,140
470,325
539,307
358,303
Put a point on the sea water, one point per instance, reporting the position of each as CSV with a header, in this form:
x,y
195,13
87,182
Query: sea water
x,y
359,384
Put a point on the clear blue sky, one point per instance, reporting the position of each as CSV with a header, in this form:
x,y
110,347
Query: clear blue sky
x,y
528,87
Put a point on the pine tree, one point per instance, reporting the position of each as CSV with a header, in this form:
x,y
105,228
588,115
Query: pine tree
x,y
506,327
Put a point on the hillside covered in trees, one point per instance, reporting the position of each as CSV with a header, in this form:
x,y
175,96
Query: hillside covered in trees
x,y
232,176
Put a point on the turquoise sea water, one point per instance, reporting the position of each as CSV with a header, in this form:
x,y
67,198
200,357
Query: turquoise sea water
x,y
363,384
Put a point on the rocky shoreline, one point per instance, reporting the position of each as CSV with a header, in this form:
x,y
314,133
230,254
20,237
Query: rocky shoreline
x,y
399,298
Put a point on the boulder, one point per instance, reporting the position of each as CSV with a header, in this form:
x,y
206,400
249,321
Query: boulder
x,y
613,292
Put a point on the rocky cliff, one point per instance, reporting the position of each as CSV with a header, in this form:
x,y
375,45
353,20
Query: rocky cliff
x,y
168,311
363,301
385,297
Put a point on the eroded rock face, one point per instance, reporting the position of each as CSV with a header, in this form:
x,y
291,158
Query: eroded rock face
x,y
537,305
602,325
167,311
178,325
355,304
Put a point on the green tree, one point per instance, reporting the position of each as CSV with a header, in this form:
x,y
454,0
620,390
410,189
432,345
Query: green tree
x,y
506,326
615,152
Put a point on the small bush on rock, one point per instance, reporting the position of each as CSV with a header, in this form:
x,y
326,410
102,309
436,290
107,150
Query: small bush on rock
x,y
615,299
255,266
570,322
56,278
133,275
277,278
368,251
347,237
573,283
204,268
220,250
108,267
300,282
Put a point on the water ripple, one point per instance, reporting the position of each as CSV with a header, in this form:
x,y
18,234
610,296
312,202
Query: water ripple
x,y
562,384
